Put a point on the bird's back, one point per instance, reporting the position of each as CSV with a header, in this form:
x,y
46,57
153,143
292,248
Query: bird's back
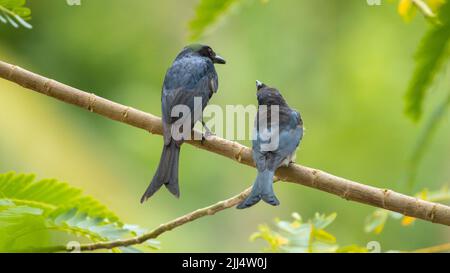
x,y
186,79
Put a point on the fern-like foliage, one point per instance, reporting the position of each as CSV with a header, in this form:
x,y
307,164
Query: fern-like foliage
x,y
430,57
15,13
32,210
208,12
50,194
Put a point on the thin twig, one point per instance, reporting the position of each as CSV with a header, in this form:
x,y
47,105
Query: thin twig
x,y
192,216
347,189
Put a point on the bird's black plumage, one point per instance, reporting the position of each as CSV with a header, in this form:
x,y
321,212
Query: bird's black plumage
x,y
289,135
191,75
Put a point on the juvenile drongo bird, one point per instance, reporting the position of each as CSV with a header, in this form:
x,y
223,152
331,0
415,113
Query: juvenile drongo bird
x,y
191,75
289,135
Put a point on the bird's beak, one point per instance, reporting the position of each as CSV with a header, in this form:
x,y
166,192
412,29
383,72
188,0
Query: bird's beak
x,y
219,60
259,85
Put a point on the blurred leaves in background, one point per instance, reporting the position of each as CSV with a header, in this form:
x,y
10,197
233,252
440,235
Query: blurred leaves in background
x,y
298,236
432,54
207,13
345,70
376,221
408,8
425,139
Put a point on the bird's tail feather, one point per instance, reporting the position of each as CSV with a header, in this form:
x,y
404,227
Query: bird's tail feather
x,y
262,189
167,172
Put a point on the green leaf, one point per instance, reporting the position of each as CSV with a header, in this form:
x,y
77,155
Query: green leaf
x,y
322,221
430,57
207,13
424,140
78,223
20,221
323,236
321,247
274,239
16,222
406,9
3,20
376,221
15,13
299,237
440,195
352,249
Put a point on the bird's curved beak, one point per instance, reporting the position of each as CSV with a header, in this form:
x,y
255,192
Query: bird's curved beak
x,y
219,60
259,85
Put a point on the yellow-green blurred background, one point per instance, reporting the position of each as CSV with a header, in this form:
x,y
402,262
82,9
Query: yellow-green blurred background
x,y
343,64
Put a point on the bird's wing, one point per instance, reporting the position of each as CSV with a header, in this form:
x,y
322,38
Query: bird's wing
x,y
182,85
290,135
186,97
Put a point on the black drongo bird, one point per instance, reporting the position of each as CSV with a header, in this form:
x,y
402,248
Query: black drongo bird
x,y
192,75
267,157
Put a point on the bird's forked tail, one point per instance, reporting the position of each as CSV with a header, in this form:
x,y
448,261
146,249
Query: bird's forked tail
x,y
262,189
167,172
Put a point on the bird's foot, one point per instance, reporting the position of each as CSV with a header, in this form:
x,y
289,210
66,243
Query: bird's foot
x,y
208,133
206,136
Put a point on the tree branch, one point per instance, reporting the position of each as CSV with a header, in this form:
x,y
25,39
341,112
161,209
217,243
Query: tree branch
x,y
347,189
211,210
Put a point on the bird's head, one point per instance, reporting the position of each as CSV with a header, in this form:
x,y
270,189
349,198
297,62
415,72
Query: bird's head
x,y
268,95
203,51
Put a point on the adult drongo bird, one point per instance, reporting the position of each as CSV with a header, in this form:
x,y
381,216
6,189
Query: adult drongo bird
x,y
192,75
286,128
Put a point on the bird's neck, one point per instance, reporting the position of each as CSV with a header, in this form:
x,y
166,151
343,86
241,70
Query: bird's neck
x,y
273,102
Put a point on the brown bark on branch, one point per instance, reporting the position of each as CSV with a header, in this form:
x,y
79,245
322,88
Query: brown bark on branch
x,y
347,189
